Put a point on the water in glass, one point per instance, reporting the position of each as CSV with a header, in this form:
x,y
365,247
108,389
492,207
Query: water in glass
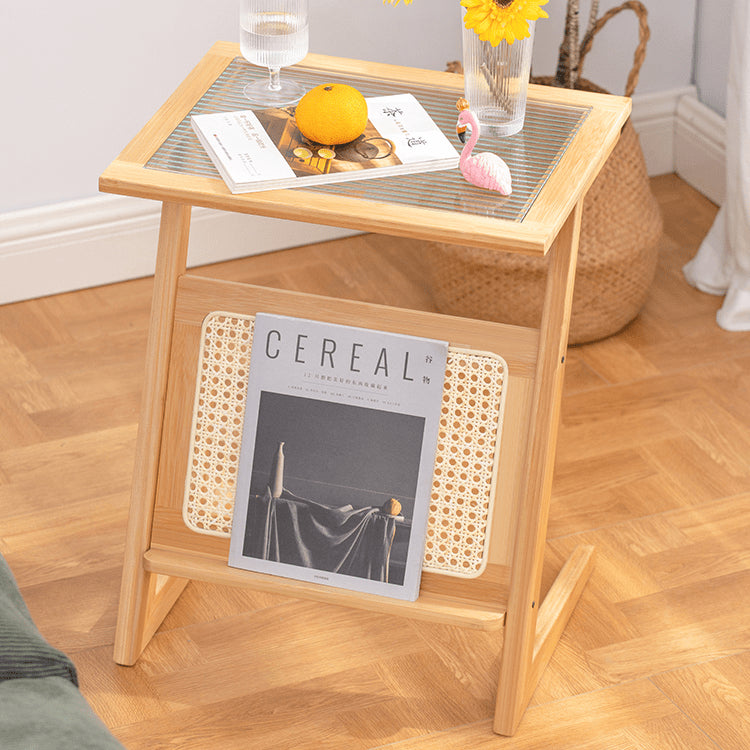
x,y
274,40
273,35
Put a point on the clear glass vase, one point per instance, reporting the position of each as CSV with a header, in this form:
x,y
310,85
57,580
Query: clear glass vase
x,y
496,81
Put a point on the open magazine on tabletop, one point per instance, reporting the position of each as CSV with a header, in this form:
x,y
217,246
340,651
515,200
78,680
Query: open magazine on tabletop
x,y
337,457
264,150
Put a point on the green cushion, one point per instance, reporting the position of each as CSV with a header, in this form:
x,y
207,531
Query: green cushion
x,y
23,650
49,714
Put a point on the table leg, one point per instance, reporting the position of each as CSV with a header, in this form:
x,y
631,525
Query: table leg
x,y
518,674
146,598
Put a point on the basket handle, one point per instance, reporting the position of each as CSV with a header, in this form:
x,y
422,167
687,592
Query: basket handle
x,y
644,34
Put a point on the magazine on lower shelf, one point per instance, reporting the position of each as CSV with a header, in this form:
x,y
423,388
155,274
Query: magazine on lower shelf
x,y
337,458
264,150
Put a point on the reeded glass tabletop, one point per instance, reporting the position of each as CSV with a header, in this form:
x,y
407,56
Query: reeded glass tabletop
x,y
531,154
567,137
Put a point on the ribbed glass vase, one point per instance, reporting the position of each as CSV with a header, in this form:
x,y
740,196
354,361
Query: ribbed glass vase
x,y
496,81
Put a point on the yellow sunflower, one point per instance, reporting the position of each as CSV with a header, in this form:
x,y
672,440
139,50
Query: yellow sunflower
x,y
495,20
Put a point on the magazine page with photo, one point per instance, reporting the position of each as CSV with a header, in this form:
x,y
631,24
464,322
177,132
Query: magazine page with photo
x,y
264,149
337,457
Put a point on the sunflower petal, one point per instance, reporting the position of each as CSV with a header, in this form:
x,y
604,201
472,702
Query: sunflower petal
x,y
494,23
520,28
484,27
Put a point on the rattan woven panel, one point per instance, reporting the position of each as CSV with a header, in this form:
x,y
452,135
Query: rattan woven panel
x,y
465,465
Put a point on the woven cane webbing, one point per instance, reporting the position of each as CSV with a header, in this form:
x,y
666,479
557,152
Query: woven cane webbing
x,y
218,417
465,464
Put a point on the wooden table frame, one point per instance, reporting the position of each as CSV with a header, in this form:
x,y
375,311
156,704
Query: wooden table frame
x,y
161,554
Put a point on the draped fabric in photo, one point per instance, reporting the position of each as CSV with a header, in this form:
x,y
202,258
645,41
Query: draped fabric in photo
x,y
350,541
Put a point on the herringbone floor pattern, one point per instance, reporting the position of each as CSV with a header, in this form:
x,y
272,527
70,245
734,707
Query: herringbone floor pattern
x,y
653,468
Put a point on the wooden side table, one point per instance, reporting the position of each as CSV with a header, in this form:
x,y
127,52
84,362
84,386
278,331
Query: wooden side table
x,y
566,140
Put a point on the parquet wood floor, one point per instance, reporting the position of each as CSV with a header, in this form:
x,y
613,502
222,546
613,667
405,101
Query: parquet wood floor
x,y
653,468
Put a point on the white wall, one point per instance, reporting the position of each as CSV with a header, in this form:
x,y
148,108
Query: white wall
x,y
84,75
712,53
669,53
81,77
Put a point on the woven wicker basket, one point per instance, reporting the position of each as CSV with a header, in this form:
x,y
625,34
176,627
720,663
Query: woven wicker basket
x,y
620,232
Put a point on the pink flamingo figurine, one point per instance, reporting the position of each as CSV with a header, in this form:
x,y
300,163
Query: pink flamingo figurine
x,y
484,170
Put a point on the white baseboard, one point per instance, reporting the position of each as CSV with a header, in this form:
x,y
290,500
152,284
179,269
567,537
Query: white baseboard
x,y
109,238
105,239
679,134
653,118
700,148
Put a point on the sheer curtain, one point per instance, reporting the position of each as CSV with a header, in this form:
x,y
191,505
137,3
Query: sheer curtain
x,y
722,264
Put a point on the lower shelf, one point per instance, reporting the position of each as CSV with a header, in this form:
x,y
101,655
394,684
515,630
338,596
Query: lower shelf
x,y
432,605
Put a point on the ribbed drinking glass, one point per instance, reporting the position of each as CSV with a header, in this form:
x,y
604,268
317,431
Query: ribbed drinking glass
x,y
274,35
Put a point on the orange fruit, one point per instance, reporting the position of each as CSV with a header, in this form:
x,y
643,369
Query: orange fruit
x,y
331,114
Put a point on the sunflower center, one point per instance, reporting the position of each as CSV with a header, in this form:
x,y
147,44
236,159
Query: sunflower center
x,y
503,3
